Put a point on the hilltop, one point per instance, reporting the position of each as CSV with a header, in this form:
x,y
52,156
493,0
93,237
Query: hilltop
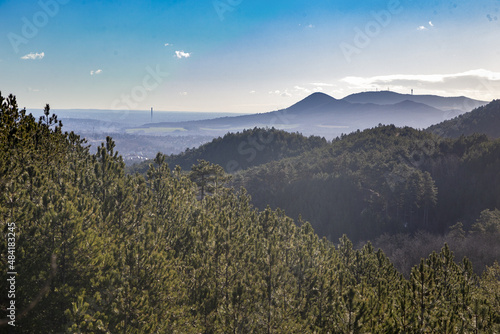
x,y
485,120
241,150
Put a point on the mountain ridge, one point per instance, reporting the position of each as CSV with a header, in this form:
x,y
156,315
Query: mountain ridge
x,y
323,115
462,103
482,120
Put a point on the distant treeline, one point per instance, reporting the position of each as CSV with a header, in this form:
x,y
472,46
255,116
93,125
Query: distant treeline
x,y
98,251
242,150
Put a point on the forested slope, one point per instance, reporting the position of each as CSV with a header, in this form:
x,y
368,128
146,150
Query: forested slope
x,y
383,180
484,120
97,251
241,150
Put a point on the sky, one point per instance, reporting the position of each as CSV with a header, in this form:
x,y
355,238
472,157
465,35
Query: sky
x,y
244,56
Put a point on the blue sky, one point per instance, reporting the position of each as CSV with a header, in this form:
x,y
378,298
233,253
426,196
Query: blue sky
x,y
242,55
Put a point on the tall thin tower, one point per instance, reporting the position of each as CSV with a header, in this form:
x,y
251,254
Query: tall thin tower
x,y
151,114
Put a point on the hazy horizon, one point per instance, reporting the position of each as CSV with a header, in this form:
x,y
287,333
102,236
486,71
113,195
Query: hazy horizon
x,y
65,112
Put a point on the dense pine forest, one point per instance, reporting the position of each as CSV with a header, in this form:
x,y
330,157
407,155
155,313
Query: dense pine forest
x,y
178,251
242,150
484,120
383,180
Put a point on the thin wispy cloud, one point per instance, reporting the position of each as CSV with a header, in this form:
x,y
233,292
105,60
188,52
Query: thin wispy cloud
x,y
421,28
33,56
182,54
168,44
302,89
99,71
480,82
284,93
322,84
422,78
431,24
307,26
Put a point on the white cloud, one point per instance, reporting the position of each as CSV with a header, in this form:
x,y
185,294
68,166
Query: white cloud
x,y
99,71
183,93
284,93
252,92
422,28
168,44
322,84
303,89
307,26
32,56
182,54
422,78
480,83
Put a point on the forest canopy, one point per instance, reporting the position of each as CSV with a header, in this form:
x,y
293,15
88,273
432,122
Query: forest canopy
x,y
99,251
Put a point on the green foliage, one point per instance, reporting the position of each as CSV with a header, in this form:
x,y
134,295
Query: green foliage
x,y
382,180
208,177
485,119
98,251
488,222
242,150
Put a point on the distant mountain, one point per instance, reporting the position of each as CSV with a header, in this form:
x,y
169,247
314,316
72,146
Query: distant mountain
x,y
460,103
483,120
322,115
317,103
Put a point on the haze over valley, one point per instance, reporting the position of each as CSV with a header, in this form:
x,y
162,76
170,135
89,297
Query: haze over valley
x,y
140,135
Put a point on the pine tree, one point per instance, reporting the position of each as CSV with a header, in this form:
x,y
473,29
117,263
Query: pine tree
x,y
210,178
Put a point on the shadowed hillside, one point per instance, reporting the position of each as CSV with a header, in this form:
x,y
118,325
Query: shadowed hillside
x,y
237,151
484,120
